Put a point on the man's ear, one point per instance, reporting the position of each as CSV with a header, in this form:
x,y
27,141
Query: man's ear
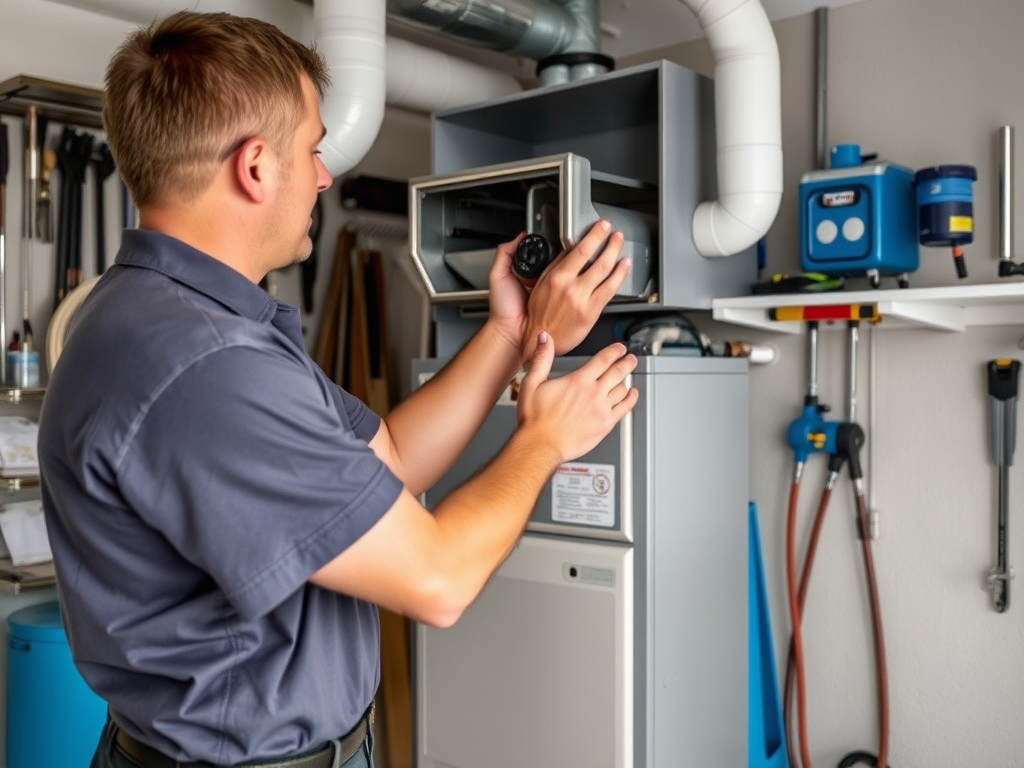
x,y
252,168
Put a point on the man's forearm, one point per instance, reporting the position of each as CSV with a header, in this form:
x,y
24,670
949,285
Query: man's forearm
x,y
481,521
433,426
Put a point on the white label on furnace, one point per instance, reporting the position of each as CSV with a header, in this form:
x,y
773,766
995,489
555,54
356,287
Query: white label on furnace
x,y
584,494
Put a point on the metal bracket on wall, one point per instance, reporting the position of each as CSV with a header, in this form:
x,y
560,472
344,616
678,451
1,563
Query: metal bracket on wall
x,y
61,102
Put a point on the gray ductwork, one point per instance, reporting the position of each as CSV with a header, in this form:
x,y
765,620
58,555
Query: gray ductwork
x,y
748,119
536,30
747,87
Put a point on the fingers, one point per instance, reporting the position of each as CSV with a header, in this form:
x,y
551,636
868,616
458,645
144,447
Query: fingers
x,y
599,248
504,254
613,361
508,249
585,249
594,264
540,363
612,365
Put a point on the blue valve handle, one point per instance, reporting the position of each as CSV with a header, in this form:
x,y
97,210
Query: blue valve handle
x,y
810,433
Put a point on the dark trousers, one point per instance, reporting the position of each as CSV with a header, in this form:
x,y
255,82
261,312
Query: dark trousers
x,y
108,755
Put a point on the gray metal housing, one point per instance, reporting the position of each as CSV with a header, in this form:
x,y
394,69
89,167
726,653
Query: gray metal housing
x,y
645,664
652,124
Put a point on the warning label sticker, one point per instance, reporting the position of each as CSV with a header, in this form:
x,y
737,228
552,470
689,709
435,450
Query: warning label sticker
x,y
584,494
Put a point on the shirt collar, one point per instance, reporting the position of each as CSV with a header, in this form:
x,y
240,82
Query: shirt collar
x,y
208,276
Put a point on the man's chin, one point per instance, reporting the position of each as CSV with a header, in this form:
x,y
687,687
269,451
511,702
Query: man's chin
x,y
305,254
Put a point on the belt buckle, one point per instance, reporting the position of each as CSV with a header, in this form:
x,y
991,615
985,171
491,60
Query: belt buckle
x,y
363,727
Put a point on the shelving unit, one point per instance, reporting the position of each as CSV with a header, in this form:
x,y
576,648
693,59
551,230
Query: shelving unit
x,y
948,308
14,579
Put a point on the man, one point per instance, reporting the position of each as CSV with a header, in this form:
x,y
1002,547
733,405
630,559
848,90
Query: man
x,y
223,518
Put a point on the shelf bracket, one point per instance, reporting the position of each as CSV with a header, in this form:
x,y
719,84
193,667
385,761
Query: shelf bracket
x,y
753,318
943,317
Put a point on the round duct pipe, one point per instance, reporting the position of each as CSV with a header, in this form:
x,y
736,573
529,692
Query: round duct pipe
x,y
542,30
414,77
748,126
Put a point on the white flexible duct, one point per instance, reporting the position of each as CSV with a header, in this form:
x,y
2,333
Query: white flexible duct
x,y
748,125
350,35
426,80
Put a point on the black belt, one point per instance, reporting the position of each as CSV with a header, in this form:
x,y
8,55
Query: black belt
x,y
346,747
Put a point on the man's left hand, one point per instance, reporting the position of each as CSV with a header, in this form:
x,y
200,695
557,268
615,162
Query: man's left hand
x,y
566,300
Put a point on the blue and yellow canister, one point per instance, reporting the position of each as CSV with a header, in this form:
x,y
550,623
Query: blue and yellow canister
x,y
945,204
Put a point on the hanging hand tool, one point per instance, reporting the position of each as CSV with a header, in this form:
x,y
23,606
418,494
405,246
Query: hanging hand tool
x,y
73,155
46,163
103,166
44,202
65,161
1002,399
31,172
31,176
4,165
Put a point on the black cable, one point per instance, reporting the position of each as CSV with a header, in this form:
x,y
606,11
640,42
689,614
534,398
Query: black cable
x,y
668,319
862,758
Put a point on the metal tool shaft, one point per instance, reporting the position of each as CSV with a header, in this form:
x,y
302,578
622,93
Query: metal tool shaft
x,y
1002,392
1002,573
1006,193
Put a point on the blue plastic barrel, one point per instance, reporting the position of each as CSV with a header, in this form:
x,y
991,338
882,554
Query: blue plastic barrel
x,y
53,718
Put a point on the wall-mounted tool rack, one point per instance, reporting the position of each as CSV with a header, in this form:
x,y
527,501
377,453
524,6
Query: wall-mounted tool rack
x,y
62,102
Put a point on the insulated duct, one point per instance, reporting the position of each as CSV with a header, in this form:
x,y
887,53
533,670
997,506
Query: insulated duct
x,y
748,119
537,29
748,126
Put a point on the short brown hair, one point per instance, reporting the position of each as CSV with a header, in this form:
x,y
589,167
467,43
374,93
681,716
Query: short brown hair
x,y
183,92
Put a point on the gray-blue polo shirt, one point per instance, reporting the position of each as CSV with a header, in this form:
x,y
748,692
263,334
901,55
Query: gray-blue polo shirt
x,y
197,469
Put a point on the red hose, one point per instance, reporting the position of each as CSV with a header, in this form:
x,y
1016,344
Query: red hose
x,y
881,670
797,643
805,579
797,594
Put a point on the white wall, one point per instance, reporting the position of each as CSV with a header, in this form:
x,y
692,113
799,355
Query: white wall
x,y
921,82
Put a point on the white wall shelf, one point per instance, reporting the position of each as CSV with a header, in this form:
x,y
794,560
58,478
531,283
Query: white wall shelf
x,y
947,308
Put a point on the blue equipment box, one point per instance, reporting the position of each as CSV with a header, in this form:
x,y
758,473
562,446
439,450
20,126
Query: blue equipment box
x,y
859,221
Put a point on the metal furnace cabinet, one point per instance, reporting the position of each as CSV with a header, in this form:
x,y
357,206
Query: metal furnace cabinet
x,y
615,635
647,134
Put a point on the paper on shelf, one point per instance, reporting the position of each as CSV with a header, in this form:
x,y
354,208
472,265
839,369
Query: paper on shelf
x,y
24,532
18,457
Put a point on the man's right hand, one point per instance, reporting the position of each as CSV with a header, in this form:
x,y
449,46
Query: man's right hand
x,y
430,565
574,412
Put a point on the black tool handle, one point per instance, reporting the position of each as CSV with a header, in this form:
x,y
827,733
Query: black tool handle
x,y
5,154
1003,382
5,164
103,164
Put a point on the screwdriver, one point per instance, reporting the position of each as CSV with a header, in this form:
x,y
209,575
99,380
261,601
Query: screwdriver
x,y
4,164
1002,398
